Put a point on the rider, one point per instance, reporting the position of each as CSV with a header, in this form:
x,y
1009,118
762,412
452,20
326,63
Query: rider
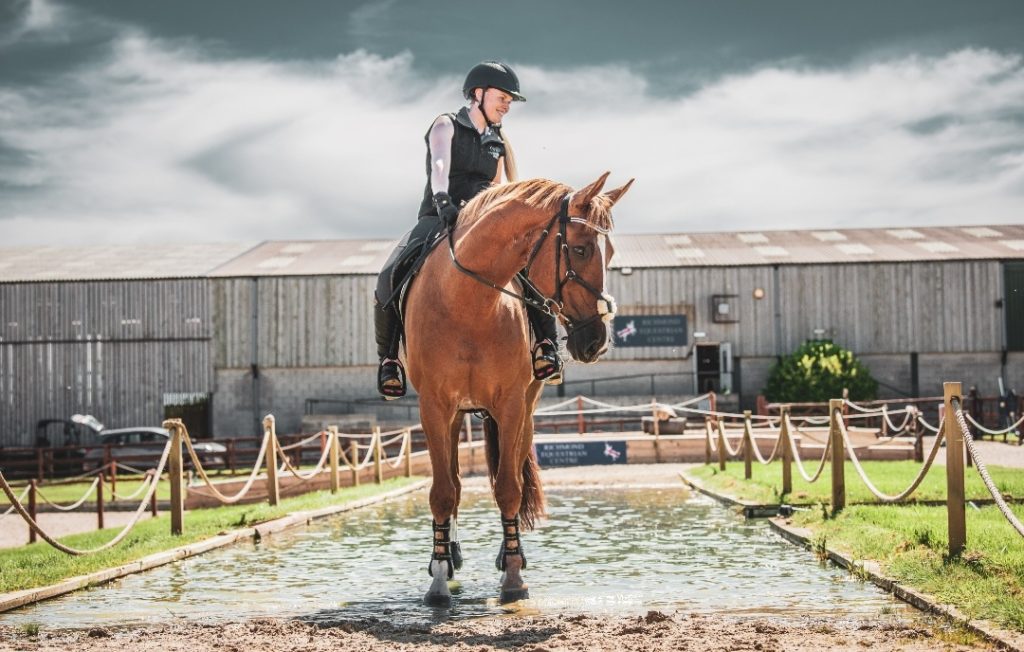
x,y
465,154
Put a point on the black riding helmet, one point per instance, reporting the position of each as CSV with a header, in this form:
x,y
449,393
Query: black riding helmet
x,y
492,74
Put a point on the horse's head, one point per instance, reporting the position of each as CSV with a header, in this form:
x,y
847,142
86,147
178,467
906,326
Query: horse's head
x,y
579,261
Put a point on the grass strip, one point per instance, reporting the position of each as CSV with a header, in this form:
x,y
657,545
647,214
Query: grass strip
x,y
910,543
39,564
891,477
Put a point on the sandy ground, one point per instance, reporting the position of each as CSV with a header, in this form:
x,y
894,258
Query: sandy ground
x,y
655,631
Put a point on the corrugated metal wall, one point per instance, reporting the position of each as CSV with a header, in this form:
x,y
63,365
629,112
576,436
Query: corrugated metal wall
x,y
111,349
307,321
870,308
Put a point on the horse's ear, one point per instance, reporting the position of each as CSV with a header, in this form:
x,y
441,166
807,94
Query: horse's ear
x,y
616,195
582,197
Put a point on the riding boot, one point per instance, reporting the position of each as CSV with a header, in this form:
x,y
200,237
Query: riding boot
x,y
388,331
547,365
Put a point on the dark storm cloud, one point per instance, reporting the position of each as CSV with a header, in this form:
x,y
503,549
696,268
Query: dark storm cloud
x,y
223,121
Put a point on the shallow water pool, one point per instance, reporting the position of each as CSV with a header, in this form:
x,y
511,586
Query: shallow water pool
x,y
599,551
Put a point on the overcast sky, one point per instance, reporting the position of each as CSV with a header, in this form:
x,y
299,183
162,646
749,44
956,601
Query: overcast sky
x,y
193,120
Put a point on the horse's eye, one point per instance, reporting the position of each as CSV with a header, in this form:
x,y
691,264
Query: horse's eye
x,y
579,251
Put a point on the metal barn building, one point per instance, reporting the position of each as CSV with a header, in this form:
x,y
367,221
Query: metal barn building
x,y
222,334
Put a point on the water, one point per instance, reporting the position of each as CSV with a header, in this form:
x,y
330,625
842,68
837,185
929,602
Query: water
x,y
619,551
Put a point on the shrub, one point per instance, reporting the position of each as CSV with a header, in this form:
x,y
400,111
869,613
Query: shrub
x,y
818,371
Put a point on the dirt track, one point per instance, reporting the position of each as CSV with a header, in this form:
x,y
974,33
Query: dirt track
x,y
655,631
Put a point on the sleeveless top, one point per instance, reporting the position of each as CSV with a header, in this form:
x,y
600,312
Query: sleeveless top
x,y
474,162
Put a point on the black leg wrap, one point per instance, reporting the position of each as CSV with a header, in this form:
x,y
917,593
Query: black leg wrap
x,y
444,540
510,535
456,555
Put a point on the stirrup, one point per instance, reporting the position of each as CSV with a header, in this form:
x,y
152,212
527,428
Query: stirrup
x,y
444,540
390,371
550,371
507,538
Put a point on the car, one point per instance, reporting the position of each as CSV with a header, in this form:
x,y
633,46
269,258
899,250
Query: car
x,y
141,447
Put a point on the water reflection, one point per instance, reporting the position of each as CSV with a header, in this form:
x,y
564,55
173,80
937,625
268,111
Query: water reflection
x,y
617,552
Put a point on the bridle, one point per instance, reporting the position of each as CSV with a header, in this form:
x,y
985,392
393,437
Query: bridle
x,y
552,306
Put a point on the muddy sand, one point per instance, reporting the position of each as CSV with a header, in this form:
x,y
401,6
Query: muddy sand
x,y
655,631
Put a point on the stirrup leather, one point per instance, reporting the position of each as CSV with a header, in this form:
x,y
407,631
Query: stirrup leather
x,y
510,535
391,369
444,540
546,352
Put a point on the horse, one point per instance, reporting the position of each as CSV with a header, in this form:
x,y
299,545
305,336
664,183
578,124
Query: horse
x,y
467,346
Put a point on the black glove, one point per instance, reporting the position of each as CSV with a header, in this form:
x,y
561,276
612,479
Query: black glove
x,y
446,210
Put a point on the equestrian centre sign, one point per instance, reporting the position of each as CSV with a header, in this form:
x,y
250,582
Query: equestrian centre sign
x,y
650,330
580,453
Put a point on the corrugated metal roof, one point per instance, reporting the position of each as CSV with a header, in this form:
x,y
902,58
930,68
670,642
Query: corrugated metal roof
x,y
310,258
335,257
115,262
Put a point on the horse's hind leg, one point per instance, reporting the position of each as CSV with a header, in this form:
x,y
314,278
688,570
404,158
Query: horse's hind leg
x,y
455,431
443,499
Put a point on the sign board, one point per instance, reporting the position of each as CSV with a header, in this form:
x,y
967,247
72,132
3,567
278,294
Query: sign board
x,y
650,330
580,453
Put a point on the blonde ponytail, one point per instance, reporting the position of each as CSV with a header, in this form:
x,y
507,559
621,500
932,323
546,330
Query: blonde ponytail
x,y
511,170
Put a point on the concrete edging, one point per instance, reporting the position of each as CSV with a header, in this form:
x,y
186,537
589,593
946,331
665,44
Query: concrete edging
x,y
15,599
750,510
923,601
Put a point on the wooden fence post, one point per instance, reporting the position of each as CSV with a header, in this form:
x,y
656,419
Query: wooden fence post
x,y
353,449
885,421
270,433
32,489
787,452
174,471
748,443
408,451
152,498
955,516
707,440
835,413
657,431
99,502
581,424
334,454
378,453
721,445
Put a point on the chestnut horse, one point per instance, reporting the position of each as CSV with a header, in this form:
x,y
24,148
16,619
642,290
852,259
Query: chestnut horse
x,y
467,346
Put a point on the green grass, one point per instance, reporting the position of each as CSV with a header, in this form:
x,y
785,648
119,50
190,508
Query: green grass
x,y
910,542
39,564
765,485
70,493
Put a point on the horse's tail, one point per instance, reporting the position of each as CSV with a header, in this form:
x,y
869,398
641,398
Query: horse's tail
x,y
532,505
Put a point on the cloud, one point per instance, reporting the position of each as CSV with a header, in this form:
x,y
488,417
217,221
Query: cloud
x,y
160,141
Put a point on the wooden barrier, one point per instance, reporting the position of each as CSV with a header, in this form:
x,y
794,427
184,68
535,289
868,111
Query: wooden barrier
x,y
32,490
407,446
378,467
334,455
787,453
955,504
174,470
748,447
721,445
838,455
273,485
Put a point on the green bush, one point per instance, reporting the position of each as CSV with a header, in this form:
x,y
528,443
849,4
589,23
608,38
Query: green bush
x,y
818,371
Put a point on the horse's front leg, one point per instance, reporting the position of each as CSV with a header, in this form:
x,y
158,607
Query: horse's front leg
x,y
508,493
455,432
443,501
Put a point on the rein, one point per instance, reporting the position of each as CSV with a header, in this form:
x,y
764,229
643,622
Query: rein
x,y
606,305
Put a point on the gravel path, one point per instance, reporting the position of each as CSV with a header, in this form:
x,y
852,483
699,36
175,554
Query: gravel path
x,y
14,530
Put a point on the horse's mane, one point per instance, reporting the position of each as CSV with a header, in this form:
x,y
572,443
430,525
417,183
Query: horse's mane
x,y
541,194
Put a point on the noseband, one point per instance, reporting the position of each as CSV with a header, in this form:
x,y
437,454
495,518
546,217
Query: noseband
x,y
552,305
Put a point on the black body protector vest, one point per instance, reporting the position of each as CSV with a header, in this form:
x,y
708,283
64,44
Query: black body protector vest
x,y
474,161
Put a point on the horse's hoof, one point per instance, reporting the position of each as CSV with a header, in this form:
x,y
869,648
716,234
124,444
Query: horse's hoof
x,y
456,555
439,600
514,595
